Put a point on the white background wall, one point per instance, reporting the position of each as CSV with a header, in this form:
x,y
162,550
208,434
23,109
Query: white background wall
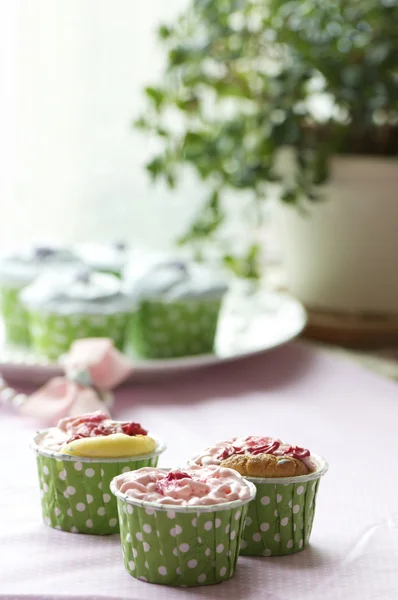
x,y
71,78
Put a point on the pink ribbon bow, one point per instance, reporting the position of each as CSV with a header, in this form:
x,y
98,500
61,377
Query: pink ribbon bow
x,y
92,367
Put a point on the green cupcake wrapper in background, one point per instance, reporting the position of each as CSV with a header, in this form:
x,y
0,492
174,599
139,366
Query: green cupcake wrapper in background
x,y
180,546
171,329
75,494
115,272
53,334
279,519
16,322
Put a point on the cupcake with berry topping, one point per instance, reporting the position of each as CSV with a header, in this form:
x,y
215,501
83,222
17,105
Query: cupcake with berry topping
x,y
177,308
76,462
182,527
18,269
287,478
63,307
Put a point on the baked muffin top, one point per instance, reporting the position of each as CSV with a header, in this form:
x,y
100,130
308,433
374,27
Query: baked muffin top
x,y
258,456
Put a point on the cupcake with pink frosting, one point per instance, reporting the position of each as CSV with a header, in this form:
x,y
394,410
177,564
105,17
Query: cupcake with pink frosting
x,y
182,527
287,478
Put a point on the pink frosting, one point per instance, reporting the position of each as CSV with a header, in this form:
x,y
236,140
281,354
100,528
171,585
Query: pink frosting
x,y
88,425
194,486
253,444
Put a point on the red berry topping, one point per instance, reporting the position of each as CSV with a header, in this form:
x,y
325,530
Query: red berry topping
x,y
100,424
171,481
175,476
256,445
298,452
264,448
133,429
226,453
230,451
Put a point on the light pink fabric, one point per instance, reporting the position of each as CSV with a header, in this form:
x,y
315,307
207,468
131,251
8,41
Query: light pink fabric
x,y
340,411
60,398
105,366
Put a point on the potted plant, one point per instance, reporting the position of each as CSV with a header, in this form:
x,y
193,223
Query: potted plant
x,y
298,98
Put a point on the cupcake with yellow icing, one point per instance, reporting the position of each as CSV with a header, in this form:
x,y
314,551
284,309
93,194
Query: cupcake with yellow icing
x,y
76,462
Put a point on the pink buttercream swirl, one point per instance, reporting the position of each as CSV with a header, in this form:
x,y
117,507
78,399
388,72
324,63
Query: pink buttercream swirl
x,y
254,444
195,486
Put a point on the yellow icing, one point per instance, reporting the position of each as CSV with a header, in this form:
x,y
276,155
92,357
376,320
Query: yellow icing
x,y
116,445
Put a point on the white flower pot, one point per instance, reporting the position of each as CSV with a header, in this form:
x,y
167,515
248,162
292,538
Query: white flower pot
x,y
343,255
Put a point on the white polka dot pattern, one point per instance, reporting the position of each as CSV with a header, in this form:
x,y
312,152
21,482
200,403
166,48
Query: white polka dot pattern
x,y
51,335
279,519
74,493
184,328
198,548
175,531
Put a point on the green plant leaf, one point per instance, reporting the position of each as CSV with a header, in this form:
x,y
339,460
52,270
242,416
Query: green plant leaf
x,y
155,167
247,78
290,196
156,95
246,266
165,32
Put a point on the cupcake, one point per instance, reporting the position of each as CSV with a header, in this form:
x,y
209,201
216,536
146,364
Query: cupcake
x,y
63,307
182,528
279,520
76,462
17,270
105,258
177,309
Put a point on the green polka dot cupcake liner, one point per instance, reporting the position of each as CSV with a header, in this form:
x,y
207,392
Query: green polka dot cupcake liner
x,y
173,329
181,546
16,322
53,334
279,519
75,492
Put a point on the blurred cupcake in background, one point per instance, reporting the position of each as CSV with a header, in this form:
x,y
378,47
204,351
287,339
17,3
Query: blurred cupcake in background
x,y
63,307
178,303
18,269
105,258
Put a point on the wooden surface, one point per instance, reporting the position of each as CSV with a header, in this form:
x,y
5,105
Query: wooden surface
x,y
373,342
358,331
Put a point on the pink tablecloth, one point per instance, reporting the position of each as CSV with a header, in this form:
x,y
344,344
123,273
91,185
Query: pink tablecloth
x,y
334,407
